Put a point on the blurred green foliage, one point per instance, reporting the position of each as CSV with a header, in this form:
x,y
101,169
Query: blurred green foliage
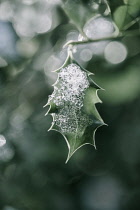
x,y
33,175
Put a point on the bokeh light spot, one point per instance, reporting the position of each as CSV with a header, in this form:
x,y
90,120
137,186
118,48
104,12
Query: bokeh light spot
x,y
3,62
2,140
99,27
115,52
86,55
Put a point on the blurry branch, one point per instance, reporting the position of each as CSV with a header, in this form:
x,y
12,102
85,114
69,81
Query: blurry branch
x,y
113,36
82,33
131,23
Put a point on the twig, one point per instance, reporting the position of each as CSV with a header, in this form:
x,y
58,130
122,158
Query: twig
x,y
131,23
114,36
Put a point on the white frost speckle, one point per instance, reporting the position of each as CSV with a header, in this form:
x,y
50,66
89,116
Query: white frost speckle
x,y
68,95
72,82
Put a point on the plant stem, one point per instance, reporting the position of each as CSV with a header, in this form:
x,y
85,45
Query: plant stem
x,y
131,23
114,36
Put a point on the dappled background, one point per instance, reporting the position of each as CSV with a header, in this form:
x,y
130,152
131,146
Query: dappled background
x,y
33,173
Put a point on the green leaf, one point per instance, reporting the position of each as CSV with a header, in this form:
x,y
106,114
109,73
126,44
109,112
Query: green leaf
x,y
134,8
121,16
133,3
72,106
79,12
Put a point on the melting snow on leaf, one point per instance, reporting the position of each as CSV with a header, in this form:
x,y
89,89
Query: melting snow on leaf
x,y
73,108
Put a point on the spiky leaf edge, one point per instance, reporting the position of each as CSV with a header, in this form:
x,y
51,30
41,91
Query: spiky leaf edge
x,y
52,108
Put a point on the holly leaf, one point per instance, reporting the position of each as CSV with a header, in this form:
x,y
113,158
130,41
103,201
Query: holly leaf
x,y
80,11
72,106
121,16
127,13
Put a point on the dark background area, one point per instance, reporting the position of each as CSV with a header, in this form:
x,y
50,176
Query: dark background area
x,y
33,173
